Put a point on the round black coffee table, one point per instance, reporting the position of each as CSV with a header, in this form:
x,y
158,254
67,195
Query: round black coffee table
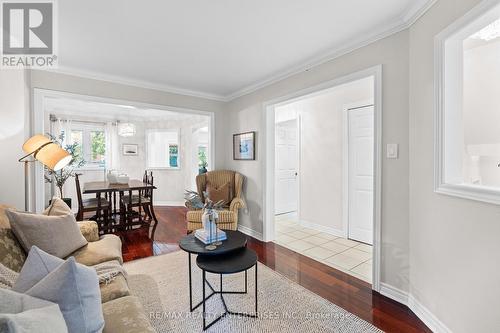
x,y
229,263
235,240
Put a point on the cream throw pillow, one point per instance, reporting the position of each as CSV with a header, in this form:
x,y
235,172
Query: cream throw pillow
x,y
57,207
57,235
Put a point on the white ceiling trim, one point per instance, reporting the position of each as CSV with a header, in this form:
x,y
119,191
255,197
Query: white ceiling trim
x,y
134,82
404,22
401,24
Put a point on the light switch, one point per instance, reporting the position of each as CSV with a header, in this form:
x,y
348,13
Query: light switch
x,y
392,150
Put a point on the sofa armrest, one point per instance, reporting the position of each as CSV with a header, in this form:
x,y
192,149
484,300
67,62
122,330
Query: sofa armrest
x,y
236,204
89,230
107,248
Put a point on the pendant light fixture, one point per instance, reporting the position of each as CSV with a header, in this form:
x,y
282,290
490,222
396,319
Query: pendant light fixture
x,y
126,129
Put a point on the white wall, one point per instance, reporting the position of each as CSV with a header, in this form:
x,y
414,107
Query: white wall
x,y
321,150
454,243
245,114
14,112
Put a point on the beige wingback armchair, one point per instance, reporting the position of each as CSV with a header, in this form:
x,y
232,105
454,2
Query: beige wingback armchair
x,y
228,218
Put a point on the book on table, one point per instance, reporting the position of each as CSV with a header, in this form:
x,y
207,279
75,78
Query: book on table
x,y
207,238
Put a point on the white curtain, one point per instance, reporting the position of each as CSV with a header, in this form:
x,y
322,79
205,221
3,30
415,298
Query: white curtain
x,y
112,147
57,128
66,126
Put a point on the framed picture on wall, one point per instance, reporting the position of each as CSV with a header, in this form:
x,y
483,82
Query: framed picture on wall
x,y
130,149
244,146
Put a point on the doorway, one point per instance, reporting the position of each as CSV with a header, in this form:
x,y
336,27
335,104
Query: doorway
x,y
286,175
359,172
322,179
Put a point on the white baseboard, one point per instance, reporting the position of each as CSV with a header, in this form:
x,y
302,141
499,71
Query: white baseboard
x,y
403,297
169,203
426,316
394,293
250,232
321,228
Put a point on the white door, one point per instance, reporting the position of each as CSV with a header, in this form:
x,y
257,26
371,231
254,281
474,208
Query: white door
x,y
360,174
286,167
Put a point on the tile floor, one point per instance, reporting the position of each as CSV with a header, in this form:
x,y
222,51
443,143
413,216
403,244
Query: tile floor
x,y
349,256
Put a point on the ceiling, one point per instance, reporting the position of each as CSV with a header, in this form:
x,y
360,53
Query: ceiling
x,y
219,49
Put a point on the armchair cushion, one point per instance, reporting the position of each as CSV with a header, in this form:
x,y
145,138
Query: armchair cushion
x,y
219,193
107,248
227,220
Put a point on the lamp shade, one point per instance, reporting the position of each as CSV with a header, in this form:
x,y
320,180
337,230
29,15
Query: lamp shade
x,y
53,157
34,143
47,152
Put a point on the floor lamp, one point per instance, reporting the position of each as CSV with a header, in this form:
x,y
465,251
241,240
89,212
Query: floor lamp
x,y
47,152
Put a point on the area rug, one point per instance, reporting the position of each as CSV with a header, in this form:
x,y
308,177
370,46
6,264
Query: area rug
x,y
161,283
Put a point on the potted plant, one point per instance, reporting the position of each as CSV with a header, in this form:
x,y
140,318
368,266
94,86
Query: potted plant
x,y
59,177
202,164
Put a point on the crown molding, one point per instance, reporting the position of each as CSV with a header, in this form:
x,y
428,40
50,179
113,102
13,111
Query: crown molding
x,y
86,74
401,23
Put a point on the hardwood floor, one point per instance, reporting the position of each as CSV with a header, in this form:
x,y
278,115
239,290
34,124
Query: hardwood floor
x,y
350,293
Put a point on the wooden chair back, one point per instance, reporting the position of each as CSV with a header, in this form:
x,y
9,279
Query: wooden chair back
x,y
78,191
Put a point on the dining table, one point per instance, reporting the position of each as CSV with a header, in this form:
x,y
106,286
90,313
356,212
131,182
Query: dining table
x,y
105,189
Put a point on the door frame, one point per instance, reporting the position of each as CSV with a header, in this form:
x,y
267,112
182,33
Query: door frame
x,y
345,160
268,160
37,197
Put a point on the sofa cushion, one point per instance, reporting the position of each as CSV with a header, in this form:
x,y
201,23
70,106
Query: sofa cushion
x,y
57,235
23,313
108,247
57,207
125,314
4,220
89,230
12,254
117,288
37,266
7,277
74,287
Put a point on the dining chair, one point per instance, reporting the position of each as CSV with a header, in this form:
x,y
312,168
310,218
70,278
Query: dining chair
x,y
143,201
100,206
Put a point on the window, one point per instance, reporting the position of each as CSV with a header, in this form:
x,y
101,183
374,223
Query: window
x,y
202,155
77,137
162,148
91,143
97,147
467,107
